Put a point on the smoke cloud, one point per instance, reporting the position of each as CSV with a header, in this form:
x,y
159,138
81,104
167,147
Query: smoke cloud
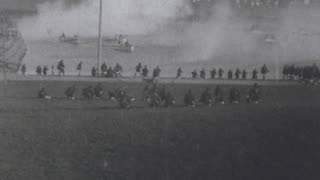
x,y
121,16
227,37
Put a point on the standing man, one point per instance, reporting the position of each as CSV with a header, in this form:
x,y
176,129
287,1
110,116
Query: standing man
x,y
94,71
145,71
61,67
118,70
23,69
203,73
79,68
194,74
110,73
138,70
237,73
179,73
264,71
45,70
38,70
230,74
244,74
213,73
255,74
220,73
156,73
104,69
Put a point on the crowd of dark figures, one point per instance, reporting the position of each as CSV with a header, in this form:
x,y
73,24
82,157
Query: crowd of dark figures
x,y
144,71
306,73
155,96
309,74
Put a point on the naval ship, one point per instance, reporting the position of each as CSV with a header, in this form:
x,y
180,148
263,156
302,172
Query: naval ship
x,y
12,45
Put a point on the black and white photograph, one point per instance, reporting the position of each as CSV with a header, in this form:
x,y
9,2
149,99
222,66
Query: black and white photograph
x,y
159,89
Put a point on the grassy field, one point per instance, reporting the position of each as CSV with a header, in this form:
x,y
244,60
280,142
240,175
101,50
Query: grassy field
x,y
93,139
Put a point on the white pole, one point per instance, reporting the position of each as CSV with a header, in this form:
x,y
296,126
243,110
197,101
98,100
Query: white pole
x,y
99,38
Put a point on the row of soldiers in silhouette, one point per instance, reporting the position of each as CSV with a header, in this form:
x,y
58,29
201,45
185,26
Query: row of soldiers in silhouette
x,y
45,70
157,97
237,74
143,71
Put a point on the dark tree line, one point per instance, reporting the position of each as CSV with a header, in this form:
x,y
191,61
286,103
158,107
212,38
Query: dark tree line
x,y
291,72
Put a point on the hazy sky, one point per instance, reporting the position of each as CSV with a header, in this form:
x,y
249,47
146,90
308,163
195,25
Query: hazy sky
x,y
29,4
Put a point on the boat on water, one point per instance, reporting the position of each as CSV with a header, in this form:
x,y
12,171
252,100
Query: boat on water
x,y
121,43
71,40
12,45
129,48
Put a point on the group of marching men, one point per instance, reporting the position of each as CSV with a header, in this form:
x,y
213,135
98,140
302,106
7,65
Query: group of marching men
x,y
161,97
144,72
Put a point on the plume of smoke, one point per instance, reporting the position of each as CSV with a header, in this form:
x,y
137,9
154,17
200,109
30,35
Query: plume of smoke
x,y
222,38
299,35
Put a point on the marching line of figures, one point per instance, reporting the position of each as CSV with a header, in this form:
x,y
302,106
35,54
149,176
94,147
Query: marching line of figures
x,y
144,72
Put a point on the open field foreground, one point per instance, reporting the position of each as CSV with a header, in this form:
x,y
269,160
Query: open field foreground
x,y
93,139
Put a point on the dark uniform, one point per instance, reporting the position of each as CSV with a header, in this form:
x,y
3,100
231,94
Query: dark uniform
x,y
38,70
154,99
124,100
45,70
104,69
206,97
203,73
220,73
219,95
79,68
88,92
98,91
254,94
244,74
110,73
23,69
254,74
230,74
61,67
194,74
42,94
156,73
213,73
169,100
138,69
70,92
237,73
234,95
118,70
179,72
189,99
145,71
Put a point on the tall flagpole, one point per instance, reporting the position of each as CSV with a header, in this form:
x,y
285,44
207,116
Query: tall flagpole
x,y
99,38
